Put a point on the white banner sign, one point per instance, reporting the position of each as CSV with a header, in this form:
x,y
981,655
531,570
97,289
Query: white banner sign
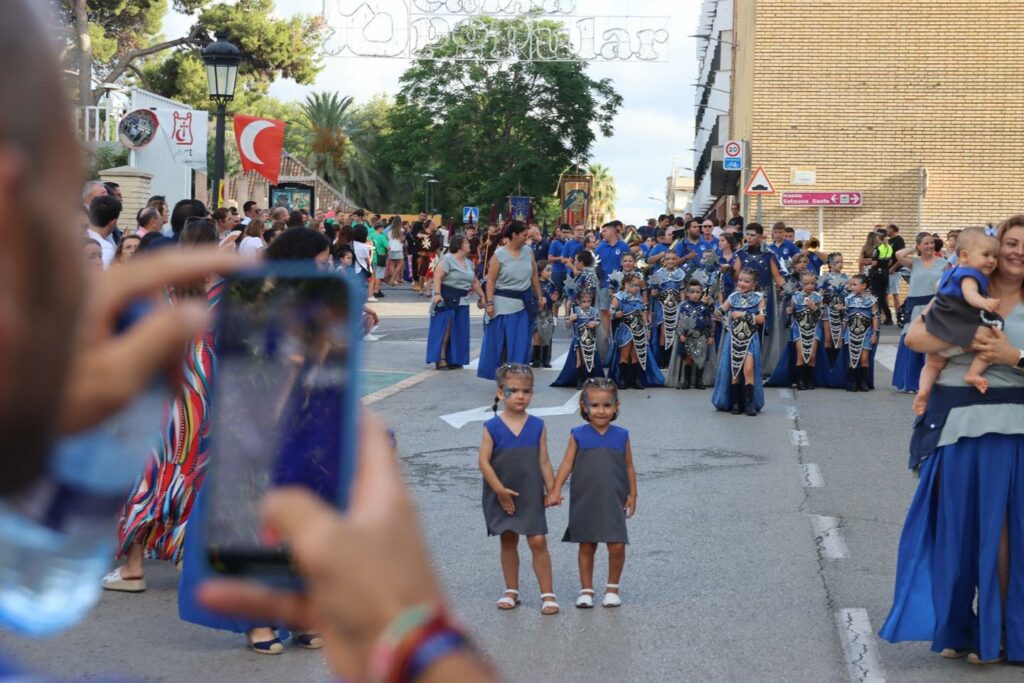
x,y
185,133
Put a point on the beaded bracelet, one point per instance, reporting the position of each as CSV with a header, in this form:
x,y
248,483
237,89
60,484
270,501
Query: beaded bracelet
x,y
415,640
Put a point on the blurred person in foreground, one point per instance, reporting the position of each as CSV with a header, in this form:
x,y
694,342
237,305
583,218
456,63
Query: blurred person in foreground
x,y
354,599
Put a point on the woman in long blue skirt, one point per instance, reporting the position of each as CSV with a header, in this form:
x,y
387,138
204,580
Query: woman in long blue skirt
x,y
926,269
513,290
448,336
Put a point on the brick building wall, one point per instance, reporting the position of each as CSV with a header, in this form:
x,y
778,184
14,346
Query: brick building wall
x,y
869,92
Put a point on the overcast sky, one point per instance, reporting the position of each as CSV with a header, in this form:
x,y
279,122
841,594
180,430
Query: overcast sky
x,y
654,127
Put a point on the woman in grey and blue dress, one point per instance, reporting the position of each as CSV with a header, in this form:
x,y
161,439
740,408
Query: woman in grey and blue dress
x,y
448,338
963,540
926,270
512,299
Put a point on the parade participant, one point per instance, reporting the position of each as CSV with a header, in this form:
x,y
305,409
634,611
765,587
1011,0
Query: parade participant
x,y
631,364
765,264
688,248
583,278
602,490
814,262
926,269
555,251
860,333
961,308
544,325
958,571
512,299
573,245
583,360
517,475
662,243
294,244
448,336
833,287
784,249
629,266
609,255
728,243
735,219
666,285
429,244
708,272
806,308
738,384
696,340
708,239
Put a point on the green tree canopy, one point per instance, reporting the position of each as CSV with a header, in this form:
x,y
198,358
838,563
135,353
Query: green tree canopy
x,y
488,128
119,41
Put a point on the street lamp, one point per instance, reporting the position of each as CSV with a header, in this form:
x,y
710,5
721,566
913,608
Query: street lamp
x,y
432,182
221,59
426,191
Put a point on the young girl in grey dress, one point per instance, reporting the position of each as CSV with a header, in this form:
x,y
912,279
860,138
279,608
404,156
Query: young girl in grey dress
x,y
517,471
602,492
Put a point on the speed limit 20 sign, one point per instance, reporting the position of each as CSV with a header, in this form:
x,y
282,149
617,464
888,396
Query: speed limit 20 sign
x,y
733,159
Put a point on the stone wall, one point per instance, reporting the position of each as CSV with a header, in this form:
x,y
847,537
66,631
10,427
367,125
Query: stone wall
x,y
136,189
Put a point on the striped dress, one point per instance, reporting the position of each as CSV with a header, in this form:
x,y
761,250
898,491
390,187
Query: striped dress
x,y
158,508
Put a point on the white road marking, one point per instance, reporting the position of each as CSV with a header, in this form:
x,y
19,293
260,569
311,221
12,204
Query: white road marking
x,y
792,412
859,646
886,355
406,383
484,413
786,393
826,535
474,364
811,475
799,437
556,364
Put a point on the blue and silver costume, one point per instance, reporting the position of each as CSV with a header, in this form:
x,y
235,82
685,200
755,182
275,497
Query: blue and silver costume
x,y
741,340
859,324
833,288
583,349
587,280
806,323
631,329
696,325
669,285
544,325
760,261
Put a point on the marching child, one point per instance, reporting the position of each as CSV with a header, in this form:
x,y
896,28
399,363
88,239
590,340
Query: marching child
x,y
696,339
860,332
805,309
517,471
544,326
602,489
583,360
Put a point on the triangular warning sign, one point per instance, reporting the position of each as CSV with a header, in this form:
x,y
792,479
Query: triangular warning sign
x,y
760,183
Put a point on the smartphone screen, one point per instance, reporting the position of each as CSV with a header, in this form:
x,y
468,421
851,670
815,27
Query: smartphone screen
x,y
282,409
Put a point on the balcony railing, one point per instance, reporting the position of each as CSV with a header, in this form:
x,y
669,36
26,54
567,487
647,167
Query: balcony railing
x,y
98,123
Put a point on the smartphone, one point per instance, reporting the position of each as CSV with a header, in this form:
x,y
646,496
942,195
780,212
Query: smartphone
x,y
284,408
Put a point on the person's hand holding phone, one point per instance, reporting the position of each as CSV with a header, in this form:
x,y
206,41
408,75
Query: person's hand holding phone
x,y
362,568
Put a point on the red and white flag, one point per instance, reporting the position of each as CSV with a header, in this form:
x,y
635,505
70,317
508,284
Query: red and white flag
x,y
260,142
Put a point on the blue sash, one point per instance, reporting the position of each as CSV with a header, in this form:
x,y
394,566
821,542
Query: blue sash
x,y
451,298
526,296
912,302
928,427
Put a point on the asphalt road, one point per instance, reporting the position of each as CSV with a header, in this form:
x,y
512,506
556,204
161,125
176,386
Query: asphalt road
x,y
763,548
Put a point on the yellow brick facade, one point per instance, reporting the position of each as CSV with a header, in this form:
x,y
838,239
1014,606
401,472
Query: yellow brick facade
x,y
869,92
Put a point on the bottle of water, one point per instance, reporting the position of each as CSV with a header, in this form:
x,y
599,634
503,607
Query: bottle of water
x,y
58,539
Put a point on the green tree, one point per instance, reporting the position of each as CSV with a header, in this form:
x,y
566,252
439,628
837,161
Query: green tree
x,y
602,195
329,129
488,124
119,41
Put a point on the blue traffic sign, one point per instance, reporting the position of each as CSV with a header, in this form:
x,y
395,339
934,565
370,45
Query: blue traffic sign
x,y
732,164
471,214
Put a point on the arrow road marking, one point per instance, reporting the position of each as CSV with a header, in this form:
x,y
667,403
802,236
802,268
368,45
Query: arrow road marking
x,y
484,413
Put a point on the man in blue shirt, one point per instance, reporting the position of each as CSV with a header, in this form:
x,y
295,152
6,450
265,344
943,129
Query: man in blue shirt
x,y
661,245
555,257
783,249
687,249
609,253
708,240
650,229
573,246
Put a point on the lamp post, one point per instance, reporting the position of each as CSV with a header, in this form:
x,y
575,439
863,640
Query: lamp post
x,y
221,59
426,191
432,186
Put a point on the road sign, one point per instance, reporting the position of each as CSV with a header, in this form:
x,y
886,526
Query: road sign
x,y
803,175
760,183
471,214
733,159
840,199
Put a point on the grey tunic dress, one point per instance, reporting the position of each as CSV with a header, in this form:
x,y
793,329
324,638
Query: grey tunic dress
x,y
923,282
516,274
598,487
516,461
459,277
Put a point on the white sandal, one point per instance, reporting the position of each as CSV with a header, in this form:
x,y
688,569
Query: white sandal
x,y
547,602
612,599
586,599
115,582
507,602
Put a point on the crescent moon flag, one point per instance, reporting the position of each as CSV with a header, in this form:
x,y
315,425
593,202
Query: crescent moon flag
x,y
260,142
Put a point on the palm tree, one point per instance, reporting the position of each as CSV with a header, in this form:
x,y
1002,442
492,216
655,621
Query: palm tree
x,y
602,194
330,130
